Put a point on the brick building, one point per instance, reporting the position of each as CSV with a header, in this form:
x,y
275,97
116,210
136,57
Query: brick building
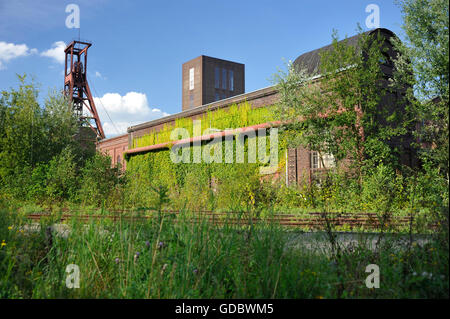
x,y
210,84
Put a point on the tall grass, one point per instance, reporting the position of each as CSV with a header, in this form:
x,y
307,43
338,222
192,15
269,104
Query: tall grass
x,y
176,258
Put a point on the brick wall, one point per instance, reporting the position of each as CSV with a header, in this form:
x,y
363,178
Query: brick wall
x,y
114,147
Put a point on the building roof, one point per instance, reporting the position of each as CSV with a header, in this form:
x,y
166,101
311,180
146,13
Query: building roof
x,y
310,60
236,99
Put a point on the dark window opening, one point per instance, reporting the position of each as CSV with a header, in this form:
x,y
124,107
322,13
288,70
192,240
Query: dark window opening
x,y
231,75
217,78
224,79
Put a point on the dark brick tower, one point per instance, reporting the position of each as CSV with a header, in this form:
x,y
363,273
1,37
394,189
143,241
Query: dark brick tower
x,y
207,79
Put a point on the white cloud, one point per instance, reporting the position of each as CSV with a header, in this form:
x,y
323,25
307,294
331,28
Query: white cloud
x,y
56,52
10,51
124,111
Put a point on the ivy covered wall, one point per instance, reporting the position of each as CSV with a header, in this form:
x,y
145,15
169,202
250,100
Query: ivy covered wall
x,y
206,185
236,116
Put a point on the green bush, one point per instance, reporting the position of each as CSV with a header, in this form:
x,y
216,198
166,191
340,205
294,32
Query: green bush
x,y
61,176
98,181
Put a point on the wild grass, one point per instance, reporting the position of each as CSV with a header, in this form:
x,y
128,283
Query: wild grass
x,y
172,257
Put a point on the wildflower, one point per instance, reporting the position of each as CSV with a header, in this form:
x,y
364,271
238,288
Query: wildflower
x,y
319,297
161,245
117,260
195,271
147,243
9,227
2,244
136,256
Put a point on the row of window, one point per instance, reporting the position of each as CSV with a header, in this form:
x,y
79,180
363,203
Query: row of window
x,y
224,79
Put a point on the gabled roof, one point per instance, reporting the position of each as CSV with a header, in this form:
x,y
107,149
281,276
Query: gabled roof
x,y
311,60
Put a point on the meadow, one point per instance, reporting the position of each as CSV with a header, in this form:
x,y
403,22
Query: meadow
x,y
170,256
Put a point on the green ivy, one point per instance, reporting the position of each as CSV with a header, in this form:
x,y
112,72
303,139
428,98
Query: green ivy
x,y
236,116
202,185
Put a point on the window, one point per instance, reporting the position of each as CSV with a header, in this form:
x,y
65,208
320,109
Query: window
x,y
224,79
217,78
191,100
314,160
191,78
217,97
224,96
118,159
231,75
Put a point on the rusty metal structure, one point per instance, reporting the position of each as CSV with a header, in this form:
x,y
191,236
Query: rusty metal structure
x,y
76,86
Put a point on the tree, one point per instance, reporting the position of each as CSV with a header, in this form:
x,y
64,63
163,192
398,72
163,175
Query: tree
x,y
31,135
343,111
425,23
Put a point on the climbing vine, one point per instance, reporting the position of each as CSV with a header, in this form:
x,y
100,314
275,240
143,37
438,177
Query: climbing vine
x,y
203,185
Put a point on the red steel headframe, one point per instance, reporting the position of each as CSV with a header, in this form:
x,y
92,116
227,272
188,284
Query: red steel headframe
x,y
76,86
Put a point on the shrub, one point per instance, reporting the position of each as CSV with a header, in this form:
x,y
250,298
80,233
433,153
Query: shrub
x,y
98,180
61,177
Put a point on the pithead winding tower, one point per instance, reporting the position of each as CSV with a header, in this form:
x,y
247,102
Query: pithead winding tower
x,y
77,89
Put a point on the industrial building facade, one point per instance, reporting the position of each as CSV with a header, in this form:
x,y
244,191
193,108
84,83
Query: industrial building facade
x,y
210,84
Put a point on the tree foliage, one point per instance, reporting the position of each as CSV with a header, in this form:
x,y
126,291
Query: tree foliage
x,y
346,109
40,157
31,134
426,47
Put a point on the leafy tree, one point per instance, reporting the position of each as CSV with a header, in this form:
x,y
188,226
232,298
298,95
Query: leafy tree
x,y
343,111
21,128
31,134
426,47
37,142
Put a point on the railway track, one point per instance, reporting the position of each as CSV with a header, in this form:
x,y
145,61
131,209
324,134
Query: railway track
x,y
313,220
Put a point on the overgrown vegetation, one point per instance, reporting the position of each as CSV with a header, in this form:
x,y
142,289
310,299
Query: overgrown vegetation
x,y
158,258
43,168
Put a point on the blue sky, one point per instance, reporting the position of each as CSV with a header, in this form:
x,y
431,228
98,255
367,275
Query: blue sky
x,y
139,46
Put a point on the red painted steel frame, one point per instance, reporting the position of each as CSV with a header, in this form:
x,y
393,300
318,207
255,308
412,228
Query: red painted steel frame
x,y
77,88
